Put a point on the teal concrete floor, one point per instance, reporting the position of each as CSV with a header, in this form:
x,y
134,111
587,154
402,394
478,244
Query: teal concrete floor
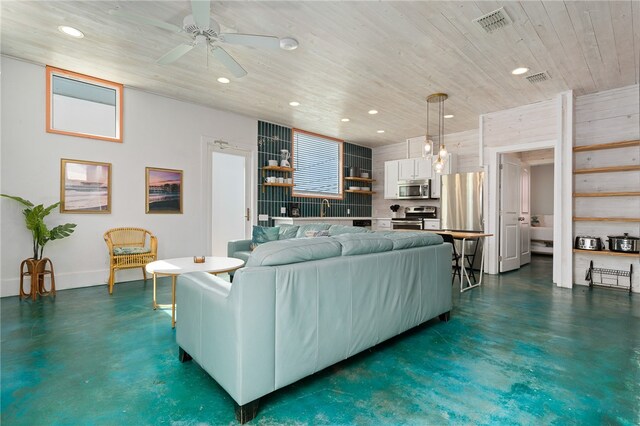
x,y
517,351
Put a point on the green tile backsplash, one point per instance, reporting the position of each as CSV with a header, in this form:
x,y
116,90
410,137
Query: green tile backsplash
x,y
271,139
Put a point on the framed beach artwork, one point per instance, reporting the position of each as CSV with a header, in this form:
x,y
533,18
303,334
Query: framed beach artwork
x,y
163,190
85,186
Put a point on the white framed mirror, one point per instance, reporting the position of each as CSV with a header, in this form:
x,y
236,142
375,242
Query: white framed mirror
x,y
84,106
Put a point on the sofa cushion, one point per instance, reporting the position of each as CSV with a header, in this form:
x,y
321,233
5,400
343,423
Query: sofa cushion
x,y
287,231
354,244
314,227
346,229
263,234
405,240
118,251
294,250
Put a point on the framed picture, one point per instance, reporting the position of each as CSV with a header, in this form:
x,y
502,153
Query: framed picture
x,y
85,186
163,190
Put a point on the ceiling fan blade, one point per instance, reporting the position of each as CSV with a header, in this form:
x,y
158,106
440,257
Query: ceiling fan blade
x,y
220,54
261,41
175,54
201,11
144,20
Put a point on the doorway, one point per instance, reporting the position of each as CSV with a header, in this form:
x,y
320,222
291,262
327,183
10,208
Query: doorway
x,y
526,198
231,195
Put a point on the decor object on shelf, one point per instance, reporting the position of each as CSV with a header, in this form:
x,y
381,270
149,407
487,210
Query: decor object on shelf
x,y
433,100
85,186
284,158
37,265
199,259
163,190
129,248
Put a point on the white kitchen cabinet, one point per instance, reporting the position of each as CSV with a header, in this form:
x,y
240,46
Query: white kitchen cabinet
x,y
414,169
391,180
422,168
436,180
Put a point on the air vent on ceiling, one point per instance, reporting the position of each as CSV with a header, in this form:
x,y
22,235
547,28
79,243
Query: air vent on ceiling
x,y
538,77
494,20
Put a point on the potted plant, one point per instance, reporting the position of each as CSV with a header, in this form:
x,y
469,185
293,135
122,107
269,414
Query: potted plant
x,y
34,221
394,209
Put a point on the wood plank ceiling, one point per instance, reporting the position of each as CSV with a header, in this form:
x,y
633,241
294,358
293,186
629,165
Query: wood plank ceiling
x,y
353,57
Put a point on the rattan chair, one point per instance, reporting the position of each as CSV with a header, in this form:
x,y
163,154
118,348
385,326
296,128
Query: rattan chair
x,y
130,248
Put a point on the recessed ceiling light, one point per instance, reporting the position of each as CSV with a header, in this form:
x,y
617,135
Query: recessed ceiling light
x,y
448,116
294,103
223,80
288,43
70,31
344,120
373,111
380,131
519,71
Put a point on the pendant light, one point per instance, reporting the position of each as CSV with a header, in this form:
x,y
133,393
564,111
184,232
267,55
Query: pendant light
x,y
437,101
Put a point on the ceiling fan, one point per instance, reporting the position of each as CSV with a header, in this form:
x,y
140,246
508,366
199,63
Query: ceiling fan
x,y
205,30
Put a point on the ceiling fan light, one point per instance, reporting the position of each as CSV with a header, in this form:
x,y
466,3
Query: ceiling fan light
x,y
288,43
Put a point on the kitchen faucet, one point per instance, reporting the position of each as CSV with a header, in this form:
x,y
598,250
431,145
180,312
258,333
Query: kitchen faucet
x,y
322,211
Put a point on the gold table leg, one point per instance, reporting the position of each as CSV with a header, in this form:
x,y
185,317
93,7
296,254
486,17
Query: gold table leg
x,y
155,304
173,301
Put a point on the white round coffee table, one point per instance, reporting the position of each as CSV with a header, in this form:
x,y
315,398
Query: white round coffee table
x,y
182,265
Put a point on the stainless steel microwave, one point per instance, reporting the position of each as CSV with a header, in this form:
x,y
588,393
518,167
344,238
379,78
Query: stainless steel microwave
x,y
414,189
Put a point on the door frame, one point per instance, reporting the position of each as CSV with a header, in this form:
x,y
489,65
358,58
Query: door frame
x,y
562,188
209,145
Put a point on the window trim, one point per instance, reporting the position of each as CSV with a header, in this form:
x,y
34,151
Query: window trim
x,y
340,196
119,88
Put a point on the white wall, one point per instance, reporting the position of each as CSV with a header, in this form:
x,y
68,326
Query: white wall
x,y
158,132
542,189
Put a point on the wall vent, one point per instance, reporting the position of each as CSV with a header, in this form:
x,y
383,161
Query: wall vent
x,y
494,20
538,77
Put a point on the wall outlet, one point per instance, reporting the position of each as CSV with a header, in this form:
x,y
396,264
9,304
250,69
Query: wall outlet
x,y
263,217
348,211
283,210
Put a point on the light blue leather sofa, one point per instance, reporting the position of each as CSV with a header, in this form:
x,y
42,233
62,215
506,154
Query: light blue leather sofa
x,y
241,249
302,304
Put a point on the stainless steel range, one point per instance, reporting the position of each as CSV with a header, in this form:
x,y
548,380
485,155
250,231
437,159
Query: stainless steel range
x,y
417,218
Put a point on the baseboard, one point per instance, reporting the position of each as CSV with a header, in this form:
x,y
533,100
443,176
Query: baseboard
x,y
65,281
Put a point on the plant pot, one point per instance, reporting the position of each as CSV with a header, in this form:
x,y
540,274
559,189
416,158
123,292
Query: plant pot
x,y
37,270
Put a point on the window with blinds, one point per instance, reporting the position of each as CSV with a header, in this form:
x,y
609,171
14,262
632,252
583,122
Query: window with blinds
x,y
317,161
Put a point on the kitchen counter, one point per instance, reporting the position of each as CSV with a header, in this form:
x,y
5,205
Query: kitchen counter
x,y
321,219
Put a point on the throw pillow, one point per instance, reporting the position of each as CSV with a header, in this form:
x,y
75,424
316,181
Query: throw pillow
x,y
263,234
288,231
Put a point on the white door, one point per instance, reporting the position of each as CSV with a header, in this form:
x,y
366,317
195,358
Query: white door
x,y
525,215
405,169
509,213
230,197
391,180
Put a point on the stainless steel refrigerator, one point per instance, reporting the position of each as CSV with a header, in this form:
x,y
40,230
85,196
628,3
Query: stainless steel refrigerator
x,y
461,201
